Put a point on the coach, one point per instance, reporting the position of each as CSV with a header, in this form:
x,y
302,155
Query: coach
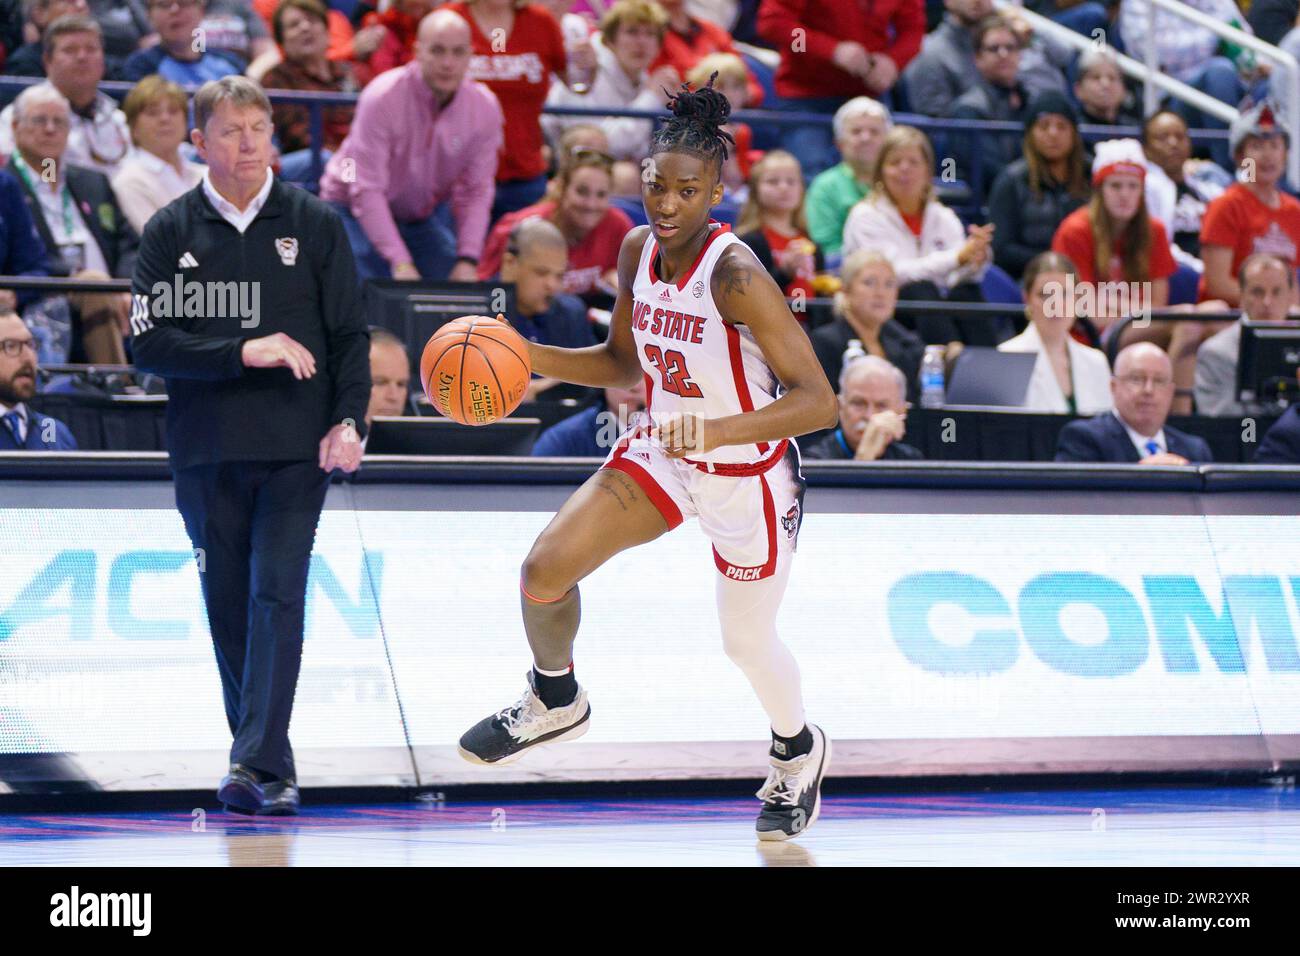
x,y
245,299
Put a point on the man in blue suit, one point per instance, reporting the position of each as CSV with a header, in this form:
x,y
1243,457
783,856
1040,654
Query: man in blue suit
x,y
1134,432
1281,446
21,428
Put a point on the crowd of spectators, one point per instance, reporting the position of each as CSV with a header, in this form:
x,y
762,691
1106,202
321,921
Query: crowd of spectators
x,y
447,168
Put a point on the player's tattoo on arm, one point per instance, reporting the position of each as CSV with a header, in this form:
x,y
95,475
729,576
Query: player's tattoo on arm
x,y
619,487
732,275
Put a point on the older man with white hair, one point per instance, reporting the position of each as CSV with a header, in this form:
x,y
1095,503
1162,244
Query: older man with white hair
x,y
1134,431
78,218
73,57
873,415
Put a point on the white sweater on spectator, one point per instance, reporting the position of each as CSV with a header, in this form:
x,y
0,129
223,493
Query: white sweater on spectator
x,y
1089,376
875,223
628,138
146,183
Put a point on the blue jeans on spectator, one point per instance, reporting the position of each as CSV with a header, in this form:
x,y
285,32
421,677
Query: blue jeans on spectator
x,y
1086,17
296,168
515,194
430,241
813,144
1217,78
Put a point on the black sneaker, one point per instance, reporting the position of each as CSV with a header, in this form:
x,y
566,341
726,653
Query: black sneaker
x,y
792,795
505,735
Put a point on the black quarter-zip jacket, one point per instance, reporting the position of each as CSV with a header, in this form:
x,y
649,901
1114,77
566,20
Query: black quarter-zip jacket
x,y
296,253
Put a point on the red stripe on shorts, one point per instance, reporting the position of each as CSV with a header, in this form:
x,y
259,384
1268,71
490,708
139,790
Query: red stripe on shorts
x,y
658,497
761,571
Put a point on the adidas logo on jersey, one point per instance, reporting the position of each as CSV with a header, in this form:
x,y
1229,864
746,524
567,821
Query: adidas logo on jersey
x,y
665,296
188,261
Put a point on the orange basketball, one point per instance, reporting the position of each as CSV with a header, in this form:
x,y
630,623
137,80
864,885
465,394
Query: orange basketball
x,y
475,370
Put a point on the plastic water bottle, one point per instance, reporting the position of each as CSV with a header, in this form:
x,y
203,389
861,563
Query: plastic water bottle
x,y
854,352
932,377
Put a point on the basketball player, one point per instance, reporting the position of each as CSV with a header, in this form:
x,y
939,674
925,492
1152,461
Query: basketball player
x,y
710,331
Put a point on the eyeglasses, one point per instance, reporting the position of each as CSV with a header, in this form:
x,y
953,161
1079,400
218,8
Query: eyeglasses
x,y
1141,381
999,48
53,122
173,4
14,347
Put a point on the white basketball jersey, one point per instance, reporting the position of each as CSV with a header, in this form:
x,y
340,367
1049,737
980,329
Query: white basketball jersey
x,y
693,361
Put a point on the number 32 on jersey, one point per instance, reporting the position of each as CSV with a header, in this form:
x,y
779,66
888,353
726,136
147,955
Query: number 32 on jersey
x,y
672,371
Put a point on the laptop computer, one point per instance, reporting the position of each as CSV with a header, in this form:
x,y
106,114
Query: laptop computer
x,y
985,376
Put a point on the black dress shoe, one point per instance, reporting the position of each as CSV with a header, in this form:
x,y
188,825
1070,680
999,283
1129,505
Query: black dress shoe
x,y
280,798
240,791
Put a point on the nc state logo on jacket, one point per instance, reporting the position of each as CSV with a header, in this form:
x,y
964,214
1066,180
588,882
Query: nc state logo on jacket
x,y
791,520
288,250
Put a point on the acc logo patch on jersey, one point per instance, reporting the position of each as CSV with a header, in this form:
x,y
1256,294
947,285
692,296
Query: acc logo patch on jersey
x,y
697,290
791,520
287,250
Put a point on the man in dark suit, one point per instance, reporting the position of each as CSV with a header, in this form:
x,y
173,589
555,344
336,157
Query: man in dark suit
x,y
873,415
22,428
78,219
1134,431
246,300
1281,445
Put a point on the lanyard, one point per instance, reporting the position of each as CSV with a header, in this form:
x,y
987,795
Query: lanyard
x,y
25,172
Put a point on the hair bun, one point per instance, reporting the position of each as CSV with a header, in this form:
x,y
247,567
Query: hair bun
x,y
706,105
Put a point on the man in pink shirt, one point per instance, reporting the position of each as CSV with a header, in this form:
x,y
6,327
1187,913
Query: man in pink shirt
x,y
424,135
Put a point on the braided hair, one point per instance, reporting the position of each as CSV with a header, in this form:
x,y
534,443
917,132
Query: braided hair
x,y
696,126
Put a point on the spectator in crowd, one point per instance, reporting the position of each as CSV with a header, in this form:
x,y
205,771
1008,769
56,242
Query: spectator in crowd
x,y
864,310
1101,92
155,173
23,428
175,57
946,66
832,51
77,215
932,254
731,83
1190,52
1267,292
1032,195
517,48
22,251
578,136
397,165
535,259
873,416
1085,17
234,28
1134,431
1273,19
301,30
772,223
996,95
1068,377
1115,240
578,204
74,64
1179,189
688,39
29,59
401,22
591,432
125,24
1281,444
1253,214
860,126
346,44
390,375
629,40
